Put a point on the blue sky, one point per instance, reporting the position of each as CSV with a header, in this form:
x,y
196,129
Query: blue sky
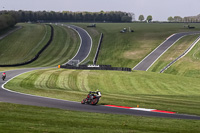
x,y
159,9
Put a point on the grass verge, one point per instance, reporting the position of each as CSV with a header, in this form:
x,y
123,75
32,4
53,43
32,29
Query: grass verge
x,y
23,44
23,119
189,65
64,46
146,89
172,53
128,49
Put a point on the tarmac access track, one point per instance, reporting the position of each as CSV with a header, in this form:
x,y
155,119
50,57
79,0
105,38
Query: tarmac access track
x,y
149,60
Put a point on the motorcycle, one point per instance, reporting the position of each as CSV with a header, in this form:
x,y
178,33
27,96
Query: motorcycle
x,y
91,99
3,77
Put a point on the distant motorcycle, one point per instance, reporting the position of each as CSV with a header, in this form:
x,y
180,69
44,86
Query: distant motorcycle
x,y
3,77
91,99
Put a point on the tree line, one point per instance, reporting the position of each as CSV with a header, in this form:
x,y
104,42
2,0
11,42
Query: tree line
x,y
7,20
68,16
184,19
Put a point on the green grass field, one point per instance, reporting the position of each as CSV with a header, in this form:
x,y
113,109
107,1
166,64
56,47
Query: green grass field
x,y
63,47
189,65
128,49
147,89
175,90
23,44
172,53
15,48
30,119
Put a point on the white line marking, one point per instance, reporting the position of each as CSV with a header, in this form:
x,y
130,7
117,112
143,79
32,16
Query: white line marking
x,y
79,46
152,51
2,86
80,43
182,55
142,109
165,51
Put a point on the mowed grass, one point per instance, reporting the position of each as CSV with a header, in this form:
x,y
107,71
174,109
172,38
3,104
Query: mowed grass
x,y
128,49
3,32
23,119
23,44
172,53
146,89
64,46
189,65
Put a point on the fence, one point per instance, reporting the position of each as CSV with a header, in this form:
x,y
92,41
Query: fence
x,y
96,67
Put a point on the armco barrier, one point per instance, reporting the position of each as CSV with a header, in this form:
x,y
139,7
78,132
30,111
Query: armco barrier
x,y
37,55
100,67
98,49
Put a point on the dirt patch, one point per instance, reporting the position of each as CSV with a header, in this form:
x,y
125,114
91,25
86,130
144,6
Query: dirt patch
x,y
136,54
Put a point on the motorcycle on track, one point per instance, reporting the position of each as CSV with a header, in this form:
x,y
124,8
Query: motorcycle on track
x,y
91,99
3,76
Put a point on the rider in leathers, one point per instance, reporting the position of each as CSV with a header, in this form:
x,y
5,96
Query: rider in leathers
x,y
4,74
96,93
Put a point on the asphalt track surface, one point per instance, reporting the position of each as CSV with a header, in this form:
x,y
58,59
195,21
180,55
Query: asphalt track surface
x,y
27,99
149,60
85,45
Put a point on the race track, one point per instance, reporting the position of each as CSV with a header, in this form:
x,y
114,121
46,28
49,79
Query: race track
x,y
149,60
26,99
85,45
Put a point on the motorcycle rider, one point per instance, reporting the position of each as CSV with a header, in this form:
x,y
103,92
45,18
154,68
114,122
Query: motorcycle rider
x,y
4,75
96,93
92,98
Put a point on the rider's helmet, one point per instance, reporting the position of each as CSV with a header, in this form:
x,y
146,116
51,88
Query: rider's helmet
x,y
97,90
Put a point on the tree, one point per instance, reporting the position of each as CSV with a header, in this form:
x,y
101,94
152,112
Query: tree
x,y
170,19
126,19
7,20
177,19
141,17
149,18
45,16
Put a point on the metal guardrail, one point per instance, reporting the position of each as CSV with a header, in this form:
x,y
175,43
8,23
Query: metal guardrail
x,y
98,49
95,67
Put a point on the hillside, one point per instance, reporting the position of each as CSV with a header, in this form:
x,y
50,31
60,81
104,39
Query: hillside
x,y
23,44
16,48
152,90
128,49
